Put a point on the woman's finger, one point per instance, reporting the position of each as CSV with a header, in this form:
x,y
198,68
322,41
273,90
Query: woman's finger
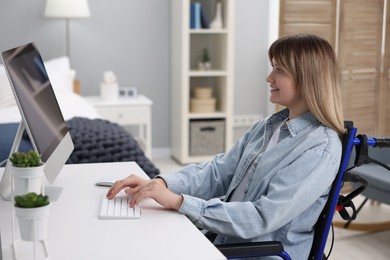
x,y
118,186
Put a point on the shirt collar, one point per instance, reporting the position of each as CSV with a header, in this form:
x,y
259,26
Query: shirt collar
x,y
297,125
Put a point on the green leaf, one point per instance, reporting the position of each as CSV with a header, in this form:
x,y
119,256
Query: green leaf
x,y
28,159
31,200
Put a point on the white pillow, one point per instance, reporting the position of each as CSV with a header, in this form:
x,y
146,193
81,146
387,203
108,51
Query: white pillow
x,y
7,98
60,74
62,80
58,64
73,105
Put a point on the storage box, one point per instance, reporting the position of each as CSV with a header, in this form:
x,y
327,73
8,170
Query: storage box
x,y
207,137
203,105
203,92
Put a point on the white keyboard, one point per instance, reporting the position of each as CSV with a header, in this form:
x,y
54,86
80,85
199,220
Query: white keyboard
x,y
117,208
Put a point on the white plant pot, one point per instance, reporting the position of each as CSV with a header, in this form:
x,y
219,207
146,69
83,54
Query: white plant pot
x,y
28,179
204,65
32,222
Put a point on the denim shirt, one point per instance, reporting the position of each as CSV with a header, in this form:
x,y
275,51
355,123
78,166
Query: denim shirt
x,y
286,194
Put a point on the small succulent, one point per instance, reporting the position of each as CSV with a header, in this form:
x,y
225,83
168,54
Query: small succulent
x,y
205,56
26,159
31,200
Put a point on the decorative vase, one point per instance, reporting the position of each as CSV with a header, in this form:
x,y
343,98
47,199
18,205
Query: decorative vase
x,y
27,179
32,222
217,21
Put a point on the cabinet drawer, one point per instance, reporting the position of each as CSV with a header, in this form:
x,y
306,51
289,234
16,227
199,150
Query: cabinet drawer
x,y
126,115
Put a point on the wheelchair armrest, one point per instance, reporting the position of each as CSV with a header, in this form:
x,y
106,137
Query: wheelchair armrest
x,y
251,249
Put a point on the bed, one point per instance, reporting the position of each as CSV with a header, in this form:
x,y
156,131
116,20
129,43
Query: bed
x,y
95,139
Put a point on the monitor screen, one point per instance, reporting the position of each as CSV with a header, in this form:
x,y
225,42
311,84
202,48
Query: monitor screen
x,y
38,106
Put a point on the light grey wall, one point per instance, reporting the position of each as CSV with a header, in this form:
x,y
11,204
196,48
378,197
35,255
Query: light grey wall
x,y
132,38
251,58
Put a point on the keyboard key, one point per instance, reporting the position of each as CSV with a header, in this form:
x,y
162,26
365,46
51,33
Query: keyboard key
x,y
124,208
110,208
117,207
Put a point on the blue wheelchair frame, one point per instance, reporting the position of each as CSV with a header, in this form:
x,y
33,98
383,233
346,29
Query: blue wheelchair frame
x,y
335,202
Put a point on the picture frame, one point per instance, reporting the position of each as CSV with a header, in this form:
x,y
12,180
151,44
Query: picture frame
x,y
128,92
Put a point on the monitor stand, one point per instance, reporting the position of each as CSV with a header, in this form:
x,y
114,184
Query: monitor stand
x,y
54,193
6,181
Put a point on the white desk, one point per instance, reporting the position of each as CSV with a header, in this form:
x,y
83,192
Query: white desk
x,y
75,231
128,111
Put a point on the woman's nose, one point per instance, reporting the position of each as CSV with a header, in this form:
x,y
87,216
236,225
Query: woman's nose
x,y
269,78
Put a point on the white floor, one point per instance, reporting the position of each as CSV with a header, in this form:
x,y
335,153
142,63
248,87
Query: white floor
x,y
348,244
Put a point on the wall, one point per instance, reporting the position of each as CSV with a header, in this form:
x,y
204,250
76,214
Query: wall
x,y
132,38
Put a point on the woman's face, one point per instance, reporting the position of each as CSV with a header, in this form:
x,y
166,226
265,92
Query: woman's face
x,y
283,90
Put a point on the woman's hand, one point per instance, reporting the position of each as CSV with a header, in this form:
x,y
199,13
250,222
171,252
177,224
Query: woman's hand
x,y
141,188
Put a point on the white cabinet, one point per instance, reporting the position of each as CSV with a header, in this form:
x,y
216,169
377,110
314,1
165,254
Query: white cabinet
x,y
127,112
187,46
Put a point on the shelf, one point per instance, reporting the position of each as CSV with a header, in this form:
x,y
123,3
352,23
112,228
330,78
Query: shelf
x,y
215,115
207,73
208,31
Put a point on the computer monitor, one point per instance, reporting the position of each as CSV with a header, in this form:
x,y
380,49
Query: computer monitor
x,y
41,116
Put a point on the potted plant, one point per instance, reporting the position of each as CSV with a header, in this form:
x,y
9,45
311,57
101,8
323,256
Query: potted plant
x,y
204,60
26,159
27,171
32,211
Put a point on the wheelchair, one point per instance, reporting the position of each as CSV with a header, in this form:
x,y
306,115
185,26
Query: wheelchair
x,y
335,202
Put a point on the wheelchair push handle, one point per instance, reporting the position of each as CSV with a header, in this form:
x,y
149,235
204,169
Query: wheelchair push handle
x,y
382,142
362,140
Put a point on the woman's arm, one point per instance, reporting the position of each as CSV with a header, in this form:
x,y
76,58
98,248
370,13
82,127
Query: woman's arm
x,y
291,191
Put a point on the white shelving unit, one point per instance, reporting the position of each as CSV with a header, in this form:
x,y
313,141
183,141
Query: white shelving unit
x,y
187,45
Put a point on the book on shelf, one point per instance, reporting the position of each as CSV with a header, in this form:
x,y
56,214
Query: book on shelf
x,y
195,15
198,18
203,19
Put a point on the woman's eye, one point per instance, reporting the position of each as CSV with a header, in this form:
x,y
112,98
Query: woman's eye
x,y
278,70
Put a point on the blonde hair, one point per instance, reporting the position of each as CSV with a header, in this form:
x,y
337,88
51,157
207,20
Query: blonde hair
x,y
311,62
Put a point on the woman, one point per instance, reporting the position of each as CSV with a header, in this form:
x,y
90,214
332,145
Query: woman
x,y
276,178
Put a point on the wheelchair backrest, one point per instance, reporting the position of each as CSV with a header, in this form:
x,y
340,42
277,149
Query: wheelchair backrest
x,y
325,219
